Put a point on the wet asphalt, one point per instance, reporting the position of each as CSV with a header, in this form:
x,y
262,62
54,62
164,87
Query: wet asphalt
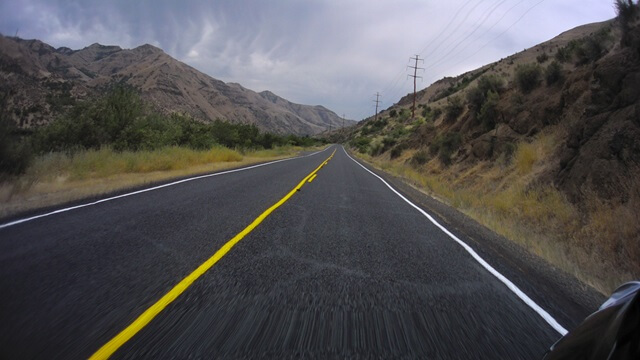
x,y
343,269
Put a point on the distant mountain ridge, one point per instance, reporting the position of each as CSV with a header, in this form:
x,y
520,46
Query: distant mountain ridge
x,y
42,80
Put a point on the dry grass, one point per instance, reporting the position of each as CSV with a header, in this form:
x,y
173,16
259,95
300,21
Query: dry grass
x,y
600,244
59,178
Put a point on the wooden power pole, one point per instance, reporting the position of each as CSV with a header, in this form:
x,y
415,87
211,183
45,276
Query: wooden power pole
x,y
377,101
415,76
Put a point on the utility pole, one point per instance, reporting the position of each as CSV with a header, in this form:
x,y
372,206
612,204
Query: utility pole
x,y
377,102
415,76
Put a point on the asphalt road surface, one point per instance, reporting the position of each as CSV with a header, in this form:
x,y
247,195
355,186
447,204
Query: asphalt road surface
x,y
343,268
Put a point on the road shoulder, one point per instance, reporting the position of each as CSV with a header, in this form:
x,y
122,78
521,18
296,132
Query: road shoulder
x,y
567,299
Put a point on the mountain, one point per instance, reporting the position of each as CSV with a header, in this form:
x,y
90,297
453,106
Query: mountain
x,y
42,80
541,146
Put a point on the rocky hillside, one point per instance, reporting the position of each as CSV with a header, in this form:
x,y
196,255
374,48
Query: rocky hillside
x,y
542,146
41,81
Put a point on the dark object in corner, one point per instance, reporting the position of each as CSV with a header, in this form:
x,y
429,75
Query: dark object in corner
x,y
612,332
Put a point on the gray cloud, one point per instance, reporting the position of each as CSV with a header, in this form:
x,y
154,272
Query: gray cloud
x,y
334,53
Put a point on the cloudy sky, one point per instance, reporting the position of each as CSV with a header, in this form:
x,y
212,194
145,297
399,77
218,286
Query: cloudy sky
x,y
336,53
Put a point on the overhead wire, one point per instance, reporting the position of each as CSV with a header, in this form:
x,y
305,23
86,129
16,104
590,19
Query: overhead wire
x,y
466,16
490,28
502,33
484,17
393,88
446,27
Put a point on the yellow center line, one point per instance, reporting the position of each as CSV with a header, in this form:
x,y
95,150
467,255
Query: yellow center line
x,y
313,177
145,318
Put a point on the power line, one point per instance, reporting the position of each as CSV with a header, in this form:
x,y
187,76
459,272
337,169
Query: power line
x,y
446,27
484,18
415,76
502,33
393,88
458,27
489,28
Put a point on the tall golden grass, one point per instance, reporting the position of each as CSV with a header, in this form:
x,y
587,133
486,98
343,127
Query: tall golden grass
x,y
57,178
106,162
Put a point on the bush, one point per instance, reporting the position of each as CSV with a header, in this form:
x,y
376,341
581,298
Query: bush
x,y
15,152
553,73
489,111
542,58
445,145
593,47
397,151
478,95
388,142
563,55
527,77
376,147
626,11
420,157
361,144
122,121
427,113
454,108
436,113
393,113
405,114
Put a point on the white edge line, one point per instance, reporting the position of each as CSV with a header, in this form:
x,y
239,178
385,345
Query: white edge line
x,y
526,299
20,221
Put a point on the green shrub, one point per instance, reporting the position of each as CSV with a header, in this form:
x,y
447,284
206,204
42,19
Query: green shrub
x,y
405,114
361,144
460,85
397,151
593,47
478,95
454,108
427,113
122,121
376,148
388,142
398,132
489,111
445,145
393,113
527,77
563,55
420,157
626,11
542,58
15,152
553,73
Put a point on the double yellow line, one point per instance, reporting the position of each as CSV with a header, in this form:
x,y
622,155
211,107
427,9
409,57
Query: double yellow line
x,y
145,318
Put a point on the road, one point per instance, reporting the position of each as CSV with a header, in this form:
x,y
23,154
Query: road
x,y
342,268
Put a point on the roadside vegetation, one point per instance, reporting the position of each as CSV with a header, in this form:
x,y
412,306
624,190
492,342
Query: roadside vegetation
x,y
498,145
114,142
